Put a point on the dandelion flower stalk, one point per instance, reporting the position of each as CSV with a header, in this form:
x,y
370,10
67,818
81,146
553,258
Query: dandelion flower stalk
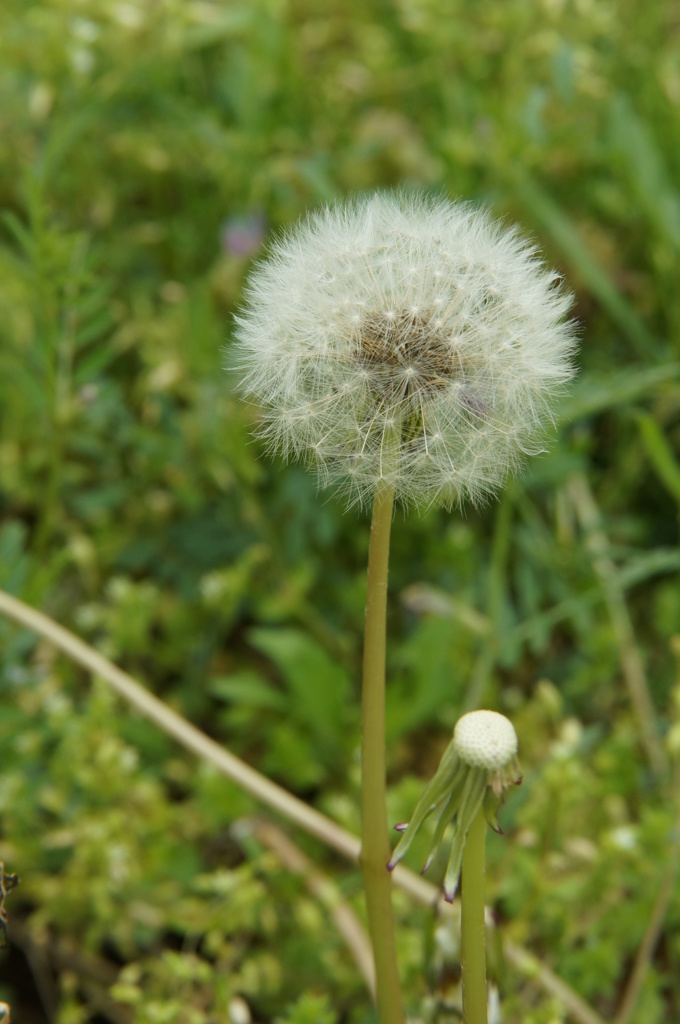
x,y
478,765
408,349
472,926
375,849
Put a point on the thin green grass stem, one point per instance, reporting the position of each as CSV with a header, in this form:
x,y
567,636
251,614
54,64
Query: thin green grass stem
x,y
472,924
375,850
476,694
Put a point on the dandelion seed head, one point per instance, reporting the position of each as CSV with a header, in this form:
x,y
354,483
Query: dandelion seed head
x,y
410,340
485,739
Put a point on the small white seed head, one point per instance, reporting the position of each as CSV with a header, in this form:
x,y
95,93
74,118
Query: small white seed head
x,y
476,768
485,739
406,340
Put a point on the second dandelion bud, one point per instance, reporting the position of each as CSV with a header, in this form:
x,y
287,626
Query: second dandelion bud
x,y
478,765
410,341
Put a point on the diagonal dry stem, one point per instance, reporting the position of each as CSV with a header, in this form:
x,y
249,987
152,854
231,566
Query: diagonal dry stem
x,y
289,806
325,891
652,934
632,666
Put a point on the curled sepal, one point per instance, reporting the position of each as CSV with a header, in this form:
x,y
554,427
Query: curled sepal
x,y
490,806
448,775
471,800
446,816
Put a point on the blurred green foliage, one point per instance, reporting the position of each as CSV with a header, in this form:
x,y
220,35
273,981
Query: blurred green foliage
x,y
145,146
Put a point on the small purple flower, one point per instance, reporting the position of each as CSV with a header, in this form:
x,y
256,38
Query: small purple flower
x,y
243,235
472,402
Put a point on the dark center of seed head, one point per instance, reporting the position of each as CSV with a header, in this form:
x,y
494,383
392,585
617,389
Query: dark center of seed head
x,y
409,340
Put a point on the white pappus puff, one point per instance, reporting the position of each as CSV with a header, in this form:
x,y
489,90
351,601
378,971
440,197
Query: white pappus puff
x,y
405,339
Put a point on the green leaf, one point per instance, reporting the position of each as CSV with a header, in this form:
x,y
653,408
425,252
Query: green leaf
x,y
318,687
309,1009
593,393
19,232
633,139
247,689
660,453
593,275
14,563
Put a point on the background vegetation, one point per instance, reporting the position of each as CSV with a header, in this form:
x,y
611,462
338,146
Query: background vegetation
x,y
147,147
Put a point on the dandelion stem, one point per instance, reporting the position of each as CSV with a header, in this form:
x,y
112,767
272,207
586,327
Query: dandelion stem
x,y
375,851
472,924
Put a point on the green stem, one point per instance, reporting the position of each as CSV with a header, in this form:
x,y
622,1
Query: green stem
x,y
375,850
472,924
